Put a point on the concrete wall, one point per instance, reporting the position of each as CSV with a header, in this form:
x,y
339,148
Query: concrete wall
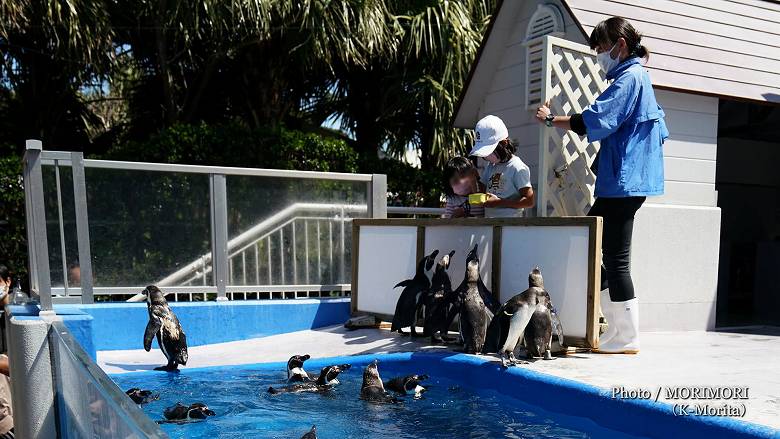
x,y
674,263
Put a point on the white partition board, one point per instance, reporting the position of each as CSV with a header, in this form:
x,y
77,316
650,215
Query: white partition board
x,y
561,252
462,240
387,256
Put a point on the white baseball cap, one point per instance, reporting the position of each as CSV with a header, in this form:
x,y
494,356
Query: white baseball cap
x,y
489,131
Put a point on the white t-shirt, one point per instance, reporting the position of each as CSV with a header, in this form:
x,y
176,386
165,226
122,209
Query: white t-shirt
x,y
505,180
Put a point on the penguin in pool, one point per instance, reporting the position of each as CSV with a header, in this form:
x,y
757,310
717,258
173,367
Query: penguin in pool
x,y
407,385
295,372
372,389
408,303
311,434
508,327
165,326
181,412
326,381
142,396
437,301
474,314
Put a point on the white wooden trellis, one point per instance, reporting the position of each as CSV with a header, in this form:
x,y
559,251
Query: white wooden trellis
x,y
570,80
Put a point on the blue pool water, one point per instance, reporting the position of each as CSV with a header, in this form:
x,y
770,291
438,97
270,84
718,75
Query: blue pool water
x,y
467,397
448,410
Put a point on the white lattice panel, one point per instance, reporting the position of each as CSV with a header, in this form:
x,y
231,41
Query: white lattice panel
x,y
571,80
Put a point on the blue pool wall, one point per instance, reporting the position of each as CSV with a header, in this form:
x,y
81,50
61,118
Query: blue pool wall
x,y
120,326
559,396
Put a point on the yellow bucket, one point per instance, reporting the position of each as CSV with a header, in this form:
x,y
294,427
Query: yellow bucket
x,y
477,199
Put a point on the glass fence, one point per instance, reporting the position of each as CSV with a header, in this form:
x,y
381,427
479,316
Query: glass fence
x,y
104,230
88,403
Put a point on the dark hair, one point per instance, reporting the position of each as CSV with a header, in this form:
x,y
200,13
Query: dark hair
x,y
504,150
5,273
608,31
456,166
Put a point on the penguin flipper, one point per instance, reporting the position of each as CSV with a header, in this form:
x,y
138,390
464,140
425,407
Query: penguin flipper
x,y
152,327
181,355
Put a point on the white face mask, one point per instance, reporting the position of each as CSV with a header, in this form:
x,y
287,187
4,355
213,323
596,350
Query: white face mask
x,y
606,61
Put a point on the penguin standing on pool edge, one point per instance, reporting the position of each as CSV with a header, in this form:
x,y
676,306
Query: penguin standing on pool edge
x,y
474,314
410,299
164,325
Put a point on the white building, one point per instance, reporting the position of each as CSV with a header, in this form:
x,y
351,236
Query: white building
x,y
712,62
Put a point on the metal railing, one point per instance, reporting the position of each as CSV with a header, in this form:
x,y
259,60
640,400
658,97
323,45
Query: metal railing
x,y
177,218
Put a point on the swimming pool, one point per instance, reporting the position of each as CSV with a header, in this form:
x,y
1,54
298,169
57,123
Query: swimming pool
x,y
467,397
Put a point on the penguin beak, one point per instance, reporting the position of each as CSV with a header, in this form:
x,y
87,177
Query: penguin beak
x,y
305,357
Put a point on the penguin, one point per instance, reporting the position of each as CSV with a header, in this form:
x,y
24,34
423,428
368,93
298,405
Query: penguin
x,y
326,381
165,326
408,303
474,315
455,300
372,389
142,396
181,412
407,385
295,372
438,300
311,434
508,326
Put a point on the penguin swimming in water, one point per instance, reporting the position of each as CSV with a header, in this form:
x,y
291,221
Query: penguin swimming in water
x,y
181,412
438,300
474,314
295,372
372,389
311,434
326,381
164,325
508,326
142,396
409,302
407,385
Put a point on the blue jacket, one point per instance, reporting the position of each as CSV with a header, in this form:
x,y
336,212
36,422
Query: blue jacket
x,y
630,125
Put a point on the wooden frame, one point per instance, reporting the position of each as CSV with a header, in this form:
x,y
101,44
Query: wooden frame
x,y
594,225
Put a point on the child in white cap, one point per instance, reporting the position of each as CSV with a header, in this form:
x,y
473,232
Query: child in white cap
x,y
507,178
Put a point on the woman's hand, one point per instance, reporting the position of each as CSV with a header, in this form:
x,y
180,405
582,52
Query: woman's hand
x,y
458,212
543,111
492,201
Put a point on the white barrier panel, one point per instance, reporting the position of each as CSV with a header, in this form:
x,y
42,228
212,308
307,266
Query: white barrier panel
x,y
568,251
562,255
462,240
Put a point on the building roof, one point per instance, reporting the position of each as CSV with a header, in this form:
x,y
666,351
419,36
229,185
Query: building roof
x,y
725,48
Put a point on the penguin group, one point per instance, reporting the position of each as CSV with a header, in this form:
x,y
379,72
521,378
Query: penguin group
x,y
485,326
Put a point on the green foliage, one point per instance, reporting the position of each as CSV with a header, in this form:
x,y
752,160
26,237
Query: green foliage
x,y
13,238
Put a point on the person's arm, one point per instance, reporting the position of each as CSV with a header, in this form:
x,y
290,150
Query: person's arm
x,y
4,368
523,198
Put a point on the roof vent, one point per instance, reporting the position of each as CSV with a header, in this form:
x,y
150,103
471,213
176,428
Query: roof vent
x,y
546,20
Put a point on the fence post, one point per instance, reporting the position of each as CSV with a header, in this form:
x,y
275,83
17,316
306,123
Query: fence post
x,y
544,139
219,233
82,226
38,250
377,199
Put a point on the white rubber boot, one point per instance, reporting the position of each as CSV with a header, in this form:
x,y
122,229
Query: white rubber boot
x,y
626,341
608,309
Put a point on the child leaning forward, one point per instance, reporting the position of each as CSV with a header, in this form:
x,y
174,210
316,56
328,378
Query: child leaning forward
x,y
461,179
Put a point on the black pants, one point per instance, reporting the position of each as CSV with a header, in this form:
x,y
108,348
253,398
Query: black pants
x,y
618,214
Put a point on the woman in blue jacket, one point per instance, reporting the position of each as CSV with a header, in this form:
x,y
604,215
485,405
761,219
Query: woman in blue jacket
x,y
629,123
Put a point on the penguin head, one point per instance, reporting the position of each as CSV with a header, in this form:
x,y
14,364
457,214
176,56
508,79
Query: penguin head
x,y
535,278
328,374
445,260
199,410
371,375
296,361
430,260
154,295
472,256
412,381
